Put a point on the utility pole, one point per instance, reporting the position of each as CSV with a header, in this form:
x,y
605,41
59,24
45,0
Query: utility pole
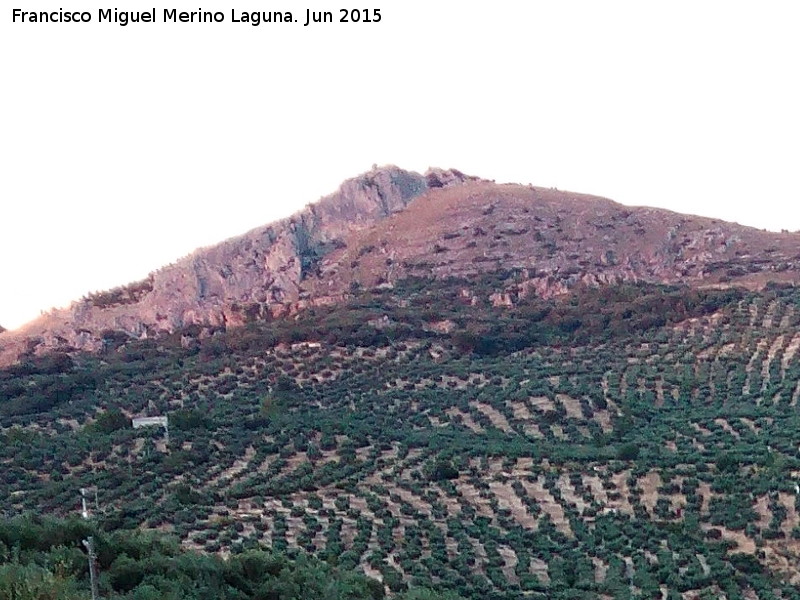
x,y
84,508
86,499
89,544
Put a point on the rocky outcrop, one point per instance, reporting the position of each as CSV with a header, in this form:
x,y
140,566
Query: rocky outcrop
x,y
389,224
262,270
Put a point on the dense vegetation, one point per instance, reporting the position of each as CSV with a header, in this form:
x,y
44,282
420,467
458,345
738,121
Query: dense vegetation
x,y
628,441
43,559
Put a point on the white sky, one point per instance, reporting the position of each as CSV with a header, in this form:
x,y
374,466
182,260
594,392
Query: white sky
x,y
123,149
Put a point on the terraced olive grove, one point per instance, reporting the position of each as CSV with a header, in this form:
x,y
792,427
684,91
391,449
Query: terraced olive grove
x,y
620,442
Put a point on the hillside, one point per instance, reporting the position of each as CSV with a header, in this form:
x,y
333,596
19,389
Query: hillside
x,y
625,439
558,239
498,391
390,224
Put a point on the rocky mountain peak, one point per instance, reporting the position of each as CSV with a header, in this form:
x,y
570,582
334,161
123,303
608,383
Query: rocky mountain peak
x,y
389,224
260,271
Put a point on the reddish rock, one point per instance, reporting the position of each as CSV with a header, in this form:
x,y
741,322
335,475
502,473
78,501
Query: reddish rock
x,y
389,224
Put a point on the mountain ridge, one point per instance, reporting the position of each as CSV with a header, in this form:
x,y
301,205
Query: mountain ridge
x,y
207,287
388,224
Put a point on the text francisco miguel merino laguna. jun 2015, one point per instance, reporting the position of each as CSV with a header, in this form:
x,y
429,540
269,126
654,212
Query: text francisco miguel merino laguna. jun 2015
x,y
172,15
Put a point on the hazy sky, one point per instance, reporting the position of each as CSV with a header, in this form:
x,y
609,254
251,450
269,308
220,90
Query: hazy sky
x,y
125,148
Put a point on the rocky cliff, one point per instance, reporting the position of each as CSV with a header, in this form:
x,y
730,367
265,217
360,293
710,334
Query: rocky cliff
x,y
389,224
260,271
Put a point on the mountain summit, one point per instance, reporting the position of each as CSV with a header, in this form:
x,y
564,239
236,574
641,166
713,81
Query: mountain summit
x,y
389,224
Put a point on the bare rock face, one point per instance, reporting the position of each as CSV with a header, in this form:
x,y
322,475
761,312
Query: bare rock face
x,y
389,224
263,268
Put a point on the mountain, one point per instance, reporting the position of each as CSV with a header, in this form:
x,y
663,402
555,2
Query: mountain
x,y
262,269
390,224
499,391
